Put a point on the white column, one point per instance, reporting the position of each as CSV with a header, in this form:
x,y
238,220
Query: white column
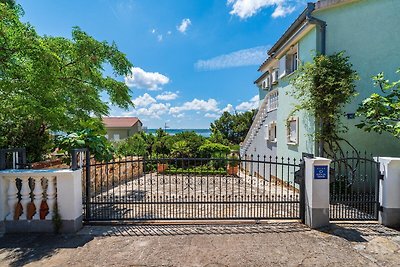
x,y
389,191
317,192
51,196
12,199
38,196
69,199
25,198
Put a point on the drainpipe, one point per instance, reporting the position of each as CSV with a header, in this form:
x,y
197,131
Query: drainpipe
x,y
321,26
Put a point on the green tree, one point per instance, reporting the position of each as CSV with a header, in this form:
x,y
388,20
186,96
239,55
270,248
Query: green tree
x,y
216,150
232,127
54,83
322,88
381,113
135,145
181,149
193,141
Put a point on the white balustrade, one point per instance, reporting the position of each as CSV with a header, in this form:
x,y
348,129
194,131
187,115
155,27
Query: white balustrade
x,y
25,192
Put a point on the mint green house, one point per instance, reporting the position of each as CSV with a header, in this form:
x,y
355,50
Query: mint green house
x,y
369,33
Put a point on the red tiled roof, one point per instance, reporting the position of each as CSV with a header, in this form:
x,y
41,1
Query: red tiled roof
x,y
120,122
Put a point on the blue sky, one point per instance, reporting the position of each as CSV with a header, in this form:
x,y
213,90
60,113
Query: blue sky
x,y
193,58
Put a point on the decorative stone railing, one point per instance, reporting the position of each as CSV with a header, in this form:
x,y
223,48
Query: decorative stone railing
x,y
269,103
29,199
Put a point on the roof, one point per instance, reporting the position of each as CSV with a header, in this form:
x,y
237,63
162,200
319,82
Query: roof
x,y
319,5
120,122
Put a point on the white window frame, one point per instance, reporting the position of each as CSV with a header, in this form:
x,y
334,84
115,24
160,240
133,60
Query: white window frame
x,y
272,134
290,139
106,136
116,137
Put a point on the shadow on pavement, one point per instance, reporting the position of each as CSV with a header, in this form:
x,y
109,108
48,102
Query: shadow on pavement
x,y
358,232
195,229
21,249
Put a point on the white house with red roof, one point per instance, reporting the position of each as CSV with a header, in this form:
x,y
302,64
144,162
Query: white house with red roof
x,y
119,128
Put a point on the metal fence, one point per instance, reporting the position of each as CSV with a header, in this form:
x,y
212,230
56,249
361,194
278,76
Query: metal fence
x,y
354,188
223,188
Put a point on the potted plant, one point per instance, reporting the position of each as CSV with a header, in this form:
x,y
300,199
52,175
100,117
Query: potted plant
x,y
233,165
162,167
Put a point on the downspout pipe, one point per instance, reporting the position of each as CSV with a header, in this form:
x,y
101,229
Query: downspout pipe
x,y
321,26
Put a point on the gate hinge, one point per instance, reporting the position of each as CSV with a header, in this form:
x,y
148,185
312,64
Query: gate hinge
x,y
380,208
381,176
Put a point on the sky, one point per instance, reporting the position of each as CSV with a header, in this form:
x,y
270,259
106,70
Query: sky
x,y
193,59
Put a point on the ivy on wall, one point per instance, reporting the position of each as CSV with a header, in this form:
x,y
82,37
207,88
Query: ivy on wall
x,y
323,87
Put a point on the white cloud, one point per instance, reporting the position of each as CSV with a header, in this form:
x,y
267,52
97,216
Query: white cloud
x,y
180,115
166,96
245,57
154,111
211,115
196,104
229,108
160,37
147,80
184,25
248,105
282,11
247,8
153,31
169,32
143,101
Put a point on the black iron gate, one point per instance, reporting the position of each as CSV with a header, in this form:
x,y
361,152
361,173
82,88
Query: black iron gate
x,y
147,189
354,187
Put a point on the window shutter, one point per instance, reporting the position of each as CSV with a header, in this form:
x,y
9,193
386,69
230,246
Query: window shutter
x,y
289,62
282,66
266,132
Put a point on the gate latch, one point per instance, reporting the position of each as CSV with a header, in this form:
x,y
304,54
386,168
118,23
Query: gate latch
x,y
381,176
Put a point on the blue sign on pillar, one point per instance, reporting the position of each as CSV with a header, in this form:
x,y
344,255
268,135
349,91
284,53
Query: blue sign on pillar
x,y
320,172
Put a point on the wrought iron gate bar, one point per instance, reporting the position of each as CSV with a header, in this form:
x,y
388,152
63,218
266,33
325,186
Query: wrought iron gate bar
x,y
140,188
354,190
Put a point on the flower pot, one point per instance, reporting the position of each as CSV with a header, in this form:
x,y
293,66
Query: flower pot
x,y
232,170
162,167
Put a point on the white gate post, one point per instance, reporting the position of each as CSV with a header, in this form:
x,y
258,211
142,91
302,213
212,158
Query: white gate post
x,y
317,192
389,191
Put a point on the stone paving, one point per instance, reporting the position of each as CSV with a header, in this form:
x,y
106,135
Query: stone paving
x,y
264,244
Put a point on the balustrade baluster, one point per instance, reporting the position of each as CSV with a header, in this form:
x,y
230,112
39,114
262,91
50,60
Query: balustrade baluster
x,y
51,196
12,194
37,196
25,198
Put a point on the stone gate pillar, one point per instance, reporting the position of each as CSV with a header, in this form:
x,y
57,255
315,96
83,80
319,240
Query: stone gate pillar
x,y
389,191
317,192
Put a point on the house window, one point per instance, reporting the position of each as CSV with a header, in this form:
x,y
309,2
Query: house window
x,y
106,136
266,132
116,137
289,62
293,131
272,131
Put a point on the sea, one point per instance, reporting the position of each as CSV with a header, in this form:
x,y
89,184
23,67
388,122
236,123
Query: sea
x,y
202,132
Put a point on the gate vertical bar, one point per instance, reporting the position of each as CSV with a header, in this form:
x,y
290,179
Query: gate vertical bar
x,y
302,192
88,210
